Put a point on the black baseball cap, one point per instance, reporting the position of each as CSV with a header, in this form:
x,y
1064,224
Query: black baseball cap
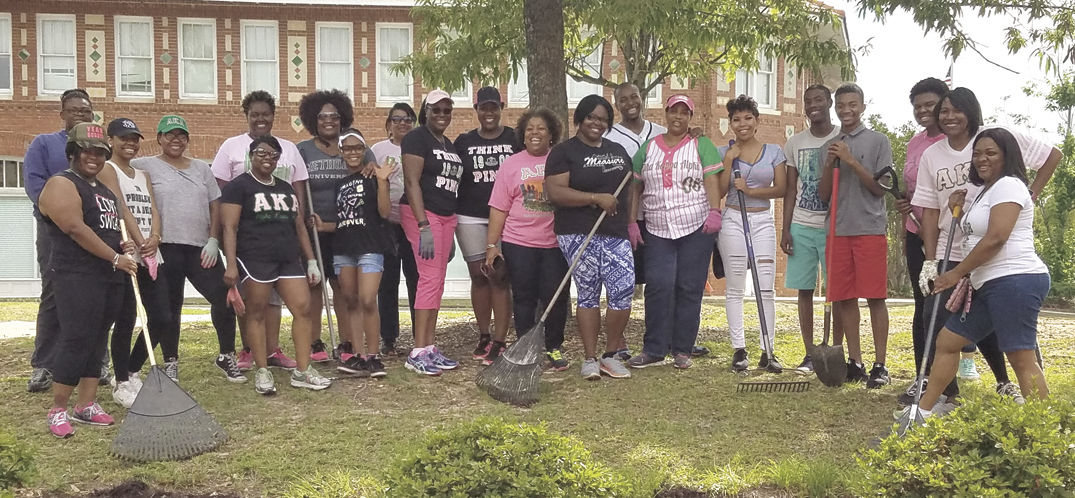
x,y
487,94
121,127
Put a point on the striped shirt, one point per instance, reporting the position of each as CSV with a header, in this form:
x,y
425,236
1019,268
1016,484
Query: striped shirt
x,y
674,202
630,140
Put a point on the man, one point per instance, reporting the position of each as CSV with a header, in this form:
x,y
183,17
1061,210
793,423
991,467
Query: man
x,y
45,157
805,213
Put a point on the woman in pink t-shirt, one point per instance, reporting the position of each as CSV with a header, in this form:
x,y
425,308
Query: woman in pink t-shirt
x,y
520,225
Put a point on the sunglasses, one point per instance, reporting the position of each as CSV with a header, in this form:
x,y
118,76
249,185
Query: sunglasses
x,y
441,111
266,154
402,119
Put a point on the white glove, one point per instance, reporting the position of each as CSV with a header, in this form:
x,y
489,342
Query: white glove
x,y
928,275
313,273
210,253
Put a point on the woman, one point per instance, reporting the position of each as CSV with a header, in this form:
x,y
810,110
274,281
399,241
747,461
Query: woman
x,y
361,241
763,177
943,170
82,220
580,192
188,198
263,236
431,172
520,225
677,189
400,120
1008,278
138,209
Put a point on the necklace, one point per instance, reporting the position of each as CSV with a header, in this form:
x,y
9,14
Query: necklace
x,y
440,141
271,182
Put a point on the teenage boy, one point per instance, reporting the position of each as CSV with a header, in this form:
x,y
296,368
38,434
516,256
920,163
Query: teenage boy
x,y
806,213
859,266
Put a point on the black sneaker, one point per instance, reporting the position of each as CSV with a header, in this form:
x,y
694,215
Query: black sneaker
x,y
856,372
227,364
389,349
40,381
482,349
375,367
495,349
343,347
878,376
354,365
908,396
740,362
643,360
770,364
807,365
699,351
623,355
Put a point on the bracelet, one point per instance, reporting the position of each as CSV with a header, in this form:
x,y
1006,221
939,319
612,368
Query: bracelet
x,y
423,224
115,261
157,235
490,246
592,202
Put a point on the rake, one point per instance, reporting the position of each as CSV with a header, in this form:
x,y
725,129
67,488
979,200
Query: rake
x,y
799,386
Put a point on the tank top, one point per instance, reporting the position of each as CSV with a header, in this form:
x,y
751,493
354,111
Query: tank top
x,y
100,213
136,194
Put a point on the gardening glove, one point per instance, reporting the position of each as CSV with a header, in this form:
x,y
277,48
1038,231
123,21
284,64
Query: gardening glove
x,y
210,253
236,301
712,221
634,235
313,273
151,265
928,275
425,243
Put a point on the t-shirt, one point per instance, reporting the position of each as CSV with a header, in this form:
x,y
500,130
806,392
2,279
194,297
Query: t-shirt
x,y
233,159
1017,255
136,195
267,220
674,202
943,170
441,170
915,147
183,198
388,154
759,174
359,226
325,173
858,211
631,141
598,170
482,159
804,151
519,191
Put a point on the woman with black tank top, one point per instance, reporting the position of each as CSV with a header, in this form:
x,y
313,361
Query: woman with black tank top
x,y
88,265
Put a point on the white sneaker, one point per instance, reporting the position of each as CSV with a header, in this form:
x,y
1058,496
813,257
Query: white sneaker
x,y
264,383
136,378
125,393
310,379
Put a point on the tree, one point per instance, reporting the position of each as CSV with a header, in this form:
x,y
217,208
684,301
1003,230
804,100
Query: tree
x,y
899,281
544,21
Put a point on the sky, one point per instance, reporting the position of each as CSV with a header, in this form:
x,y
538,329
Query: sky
x,y
901,55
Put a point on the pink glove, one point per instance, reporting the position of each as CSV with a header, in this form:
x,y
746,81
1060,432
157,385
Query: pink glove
x,y
634,235
712,221
151,265
236,301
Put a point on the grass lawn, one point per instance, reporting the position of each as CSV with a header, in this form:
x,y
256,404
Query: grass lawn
x,y
661,426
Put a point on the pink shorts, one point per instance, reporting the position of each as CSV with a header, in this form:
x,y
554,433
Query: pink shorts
x,y
431,272
858,267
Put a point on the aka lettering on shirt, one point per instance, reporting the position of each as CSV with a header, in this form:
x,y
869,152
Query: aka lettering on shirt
x,y
954,177
270,206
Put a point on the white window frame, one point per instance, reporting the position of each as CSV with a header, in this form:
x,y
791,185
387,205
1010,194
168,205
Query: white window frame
x,y
350,53
183,94
41,18
119,67
747,82
655,99
389,100
244,77
6,94
519,88
588,88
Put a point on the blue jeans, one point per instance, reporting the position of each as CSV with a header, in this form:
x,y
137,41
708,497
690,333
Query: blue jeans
x,y
676,272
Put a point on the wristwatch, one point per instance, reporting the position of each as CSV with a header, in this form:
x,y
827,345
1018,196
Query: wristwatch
x,y
490,246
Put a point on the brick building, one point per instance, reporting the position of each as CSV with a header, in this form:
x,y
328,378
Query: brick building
x,y
197,58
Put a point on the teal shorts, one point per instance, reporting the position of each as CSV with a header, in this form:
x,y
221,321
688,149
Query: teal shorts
x,y
808,253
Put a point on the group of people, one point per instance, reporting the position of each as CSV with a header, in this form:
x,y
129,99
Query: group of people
x,y
628,202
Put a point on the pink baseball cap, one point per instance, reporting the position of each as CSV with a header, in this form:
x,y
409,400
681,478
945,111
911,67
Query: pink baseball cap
x,y
437,96
679,99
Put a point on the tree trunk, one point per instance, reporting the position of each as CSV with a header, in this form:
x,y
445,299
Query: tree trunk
x,y
544,20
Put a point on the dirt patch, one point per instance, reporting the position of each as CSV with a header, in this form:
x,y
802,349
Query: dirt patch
x,y
139,489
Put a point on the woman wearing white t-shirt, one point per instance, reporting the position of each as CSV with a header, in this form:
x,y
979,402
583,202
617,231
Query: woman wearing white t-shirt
x,y
1008,279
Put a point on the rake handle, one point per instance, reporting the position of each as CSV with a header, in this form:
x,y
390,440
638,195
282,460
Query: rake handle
x,y
321,268
768,347
140,312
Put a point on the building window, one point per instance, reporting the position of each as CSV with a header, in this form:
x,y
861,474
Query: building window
x,y
760,84
261,48
519,88
393,44
5,55
576,90
134,56
56,65
655,99
12,170
197,59
335,68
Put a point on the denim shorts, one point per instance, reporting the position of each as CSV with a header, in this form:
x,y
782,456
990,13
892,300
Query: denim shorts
x,y
1007,305
367,263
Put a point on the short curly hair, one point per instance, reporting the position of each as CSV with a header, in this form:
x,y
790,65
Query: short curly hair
x,y
556,128
259,96
311,104
742,103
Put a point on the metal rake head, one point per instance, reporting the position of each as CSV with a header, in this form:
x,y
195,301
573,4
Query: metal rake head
x,y
800,386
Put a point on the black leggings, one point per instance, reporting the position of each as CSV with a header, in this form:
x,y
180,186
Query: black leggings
x,y
535,274
154,294
388,294
182,261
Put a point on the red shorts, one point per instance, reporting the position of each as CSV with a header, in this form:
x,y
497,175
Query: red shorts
x,y
858,267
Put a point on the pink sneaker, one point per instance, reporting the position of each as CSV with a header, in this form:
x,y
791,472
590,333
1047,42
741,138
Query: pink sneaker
x,y
246,360
318,353
92,414
345,356
280,360
59,425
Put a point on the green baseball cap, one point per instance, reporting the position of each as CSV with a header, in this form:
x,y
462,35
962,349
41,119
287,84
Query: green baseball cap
x,y
172,122
88,135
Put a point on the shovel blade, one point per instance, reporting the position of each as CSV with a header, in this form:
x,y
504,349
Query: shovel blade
x,y
829,364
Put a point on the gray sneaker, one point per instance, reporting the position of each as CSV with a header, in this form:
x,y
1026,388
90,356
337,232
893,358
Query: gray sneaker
x,y
40,380
264,383
171,369
310,379
681,361
590,369
614,368
1011,390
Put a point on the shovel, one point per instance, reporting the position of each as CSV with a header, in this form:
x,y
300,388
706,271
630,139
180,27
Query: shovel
x,y
829,363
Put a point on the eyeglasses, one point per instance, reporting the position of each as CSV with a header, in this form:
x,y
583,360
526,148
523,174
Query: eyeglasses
x,y
266,154
328,116
176,137
441,111
402,119
599,119
352,148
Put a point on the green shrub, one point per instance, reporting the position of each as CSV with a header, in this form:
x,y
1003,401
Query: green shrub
x,y
990,447
490,457
16,462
